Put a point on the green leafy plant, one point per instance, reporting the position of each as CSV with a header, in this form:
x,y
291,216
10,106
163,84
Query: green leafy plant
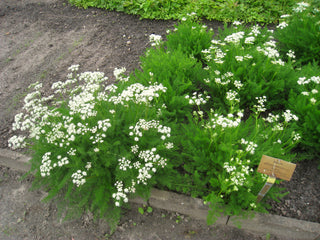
x,y
96,145
223,10
196,119
307,105
300,33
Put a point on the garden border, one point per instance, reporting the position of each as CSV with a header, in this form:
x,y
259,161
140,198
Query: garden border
x,y
194,207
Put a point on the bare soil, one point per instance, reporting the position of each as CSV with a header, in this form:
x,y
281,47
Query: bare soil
x,y
39,40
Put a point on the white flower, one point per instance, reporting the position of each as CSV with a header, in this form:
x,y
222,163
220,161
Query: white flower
x,y
118,72
231,96
96,150
74,68
234,38
282,25
279,61
296,136
249,40
169,145
301,7
155,39
16,142
255,30
288,116
236,23
291,54
238,84
78,178
239,58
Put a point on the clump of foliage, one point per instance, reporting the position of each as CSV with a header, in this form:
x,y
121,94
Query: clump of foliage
x,y
196,119
307,106
300,32
223,10
94,143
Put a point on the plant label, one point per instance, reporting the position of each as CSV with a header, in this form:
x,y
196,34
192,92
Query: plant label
x,y
276,168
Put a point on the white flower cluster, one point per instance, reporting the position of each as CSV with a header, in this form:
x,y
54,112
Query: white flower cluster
x,y
301,7
304,80
88,166
124,164
78,178
215,51
236,23
279,62
231,96
121,195
238,84
261,107
46,167
249,40
314,92
272,118
155,40
269,50
255,30
151,161
234,38
138,94
230,121
98,138
278,126
169,145
104,124
83,97
250,146
295,136
288,116
74,68
238,171
143,125
62,161
282,25
291,54
197,99
223,79
16,142
118,73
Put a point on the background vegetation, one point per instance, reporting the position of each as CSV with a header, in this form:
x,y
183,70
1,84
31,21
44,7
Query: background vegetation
x,y
223,10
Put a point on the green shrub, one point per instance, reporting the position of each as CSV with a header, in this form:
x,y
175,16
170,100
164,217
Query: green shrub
x,y
96,145
195,119
300,33
222,10
306,105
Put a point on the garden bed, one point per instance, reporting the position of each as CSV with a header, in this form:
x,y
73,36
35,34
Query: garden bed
x,y
41,39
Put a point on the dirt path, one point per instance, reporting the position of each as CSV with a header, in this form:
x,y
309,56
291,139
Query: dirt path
x,y
39,40
24,216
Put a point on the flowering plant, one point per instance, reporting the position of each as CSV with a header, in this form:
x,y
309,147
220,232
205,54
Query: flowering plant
x,y
221,87
307,106
300,32
92,141
195,119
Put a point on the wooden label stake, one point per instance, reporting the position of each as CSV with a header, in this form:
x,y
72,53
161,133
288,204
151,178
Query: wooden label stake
x,y
275,168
